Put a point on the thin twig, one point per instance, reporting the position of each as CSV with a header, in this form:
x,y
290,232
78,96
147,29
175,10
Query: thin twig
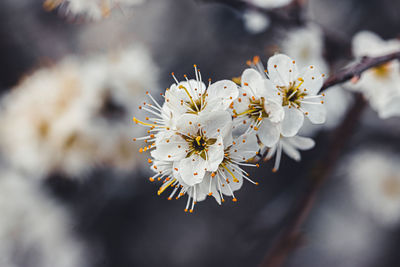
x,y
291,236
356,70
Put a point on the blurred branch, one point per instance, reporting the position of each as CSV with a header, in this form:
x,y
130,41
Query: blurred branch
x,y
355,71
291,237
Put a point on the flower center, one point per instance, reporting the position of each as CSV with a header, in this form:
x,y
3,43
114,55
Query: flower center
x,y
199,144
196,105
256,110
382,71
292,95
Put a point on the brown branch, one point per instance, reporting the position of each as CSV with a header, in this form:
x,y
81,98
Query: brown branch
x,y
291,236
356,70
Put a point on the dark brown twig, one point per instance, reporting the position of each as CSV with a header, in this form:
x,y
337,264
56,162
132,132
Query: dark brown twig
x,y
356,70
291,236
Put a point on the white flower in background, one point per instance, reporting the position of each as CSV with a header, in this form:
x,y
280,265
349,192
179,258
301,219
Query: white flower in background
x,y
291,147
93,9
226,179
306,45
34,231
269,3
74,116
255,22
113,86
255,108
374,176
44,126
380,85
193,96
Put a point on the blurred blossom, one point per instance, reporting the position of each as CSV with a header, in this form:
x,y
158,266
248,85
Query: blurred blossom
x,y
375,180
380,85
74,115
306,45
93,9
269,3
34,231
255,21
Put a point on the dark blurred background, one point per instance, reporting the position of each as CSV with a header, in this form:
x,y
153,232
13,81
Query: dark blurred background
x,y
123,221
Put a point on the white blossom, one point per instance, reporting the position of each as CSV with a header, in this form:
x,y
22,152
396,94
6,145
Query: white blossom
x,y
226,179
269,3
296,91
254,108
35,230
286,94
193,96
374,176
291,147
306,45
380,85
93,9
255,22
73,116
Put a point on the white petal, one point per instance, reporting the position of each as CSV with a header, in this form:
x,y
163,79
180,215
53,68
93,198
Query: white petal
x,y
291,151
234,186
302,143
251,77
188,124
268,133
216,123
170,148
316,112
292,121
390,109
244,148
205,187
312,80
220,95
275,111
271,92
282,70
215,155
192,169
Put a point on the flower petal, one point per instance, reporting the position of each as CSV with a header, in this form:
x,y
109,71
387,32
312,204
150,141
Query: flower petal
x,y
216,123
292,121
220,95
170,148
215,155
312,80
188,124
282,70
268,133
291,151
302,143
244,148
192,169
316,112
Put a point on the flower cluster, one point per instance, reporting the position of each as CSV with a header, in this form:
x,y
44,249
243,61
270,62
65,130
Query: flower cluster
x,y
203,135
